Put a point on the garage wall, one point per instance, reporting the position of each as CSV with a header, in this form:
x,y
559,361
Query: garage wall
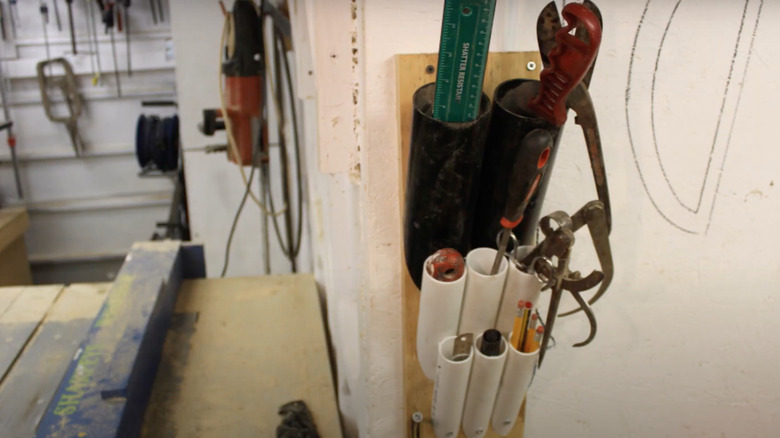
x,y
95,206
686,331
678,353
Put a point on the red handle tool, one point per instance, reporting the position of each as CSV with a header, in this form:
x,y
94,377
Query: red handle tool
x,y
530,164
569,62
531,161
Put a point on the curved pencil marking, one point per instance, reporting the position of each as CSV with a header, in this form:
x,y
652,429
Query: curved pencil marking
x,y
652,106
628,125
665,200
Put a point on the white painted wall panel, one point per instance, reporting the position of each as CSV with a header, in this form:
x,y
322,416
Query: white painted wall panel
x,y
90,205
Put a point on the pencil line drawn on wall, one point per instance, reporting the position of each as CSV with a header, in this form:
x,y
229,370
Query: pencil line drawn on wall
x,y
642,98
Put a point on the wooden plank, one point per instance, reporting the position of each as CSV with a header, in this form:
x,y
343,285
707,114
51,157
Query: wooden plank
x,y
13,223
14,266
411,74
7,297
237,350
30,384
21,319
336,78
108,383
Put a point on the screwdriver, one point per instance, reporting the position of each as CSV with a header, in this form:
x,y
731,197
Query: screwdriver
x,y
72,30
126,6
14,14
108,20
57,15
2,21
92,36
154,11
44,8
530,164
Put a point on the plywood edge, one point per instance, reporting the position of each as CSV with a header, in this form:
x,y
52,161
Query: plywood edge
x,y
13,224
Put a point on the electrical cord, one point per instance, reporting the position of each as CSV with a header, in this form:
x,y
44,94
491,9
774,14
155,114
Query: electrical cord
x,y
296,142
248,190
229,125
292,247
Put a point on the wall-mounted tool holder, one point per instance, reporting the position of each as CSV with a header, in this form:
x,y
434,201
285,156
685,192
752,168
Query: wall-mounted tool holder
x,y
471,382
445,159
414,71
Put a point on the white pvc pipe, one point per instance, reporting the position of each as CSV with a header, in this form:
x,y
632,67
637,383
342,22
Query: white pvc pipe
x,y
519,286
483,386
483,291
449,390
440,304
518,372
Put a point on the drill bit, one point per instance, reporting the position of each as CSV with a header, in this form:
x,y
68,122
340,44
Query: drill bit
x,y
14,14
57,15
92,36
72,30
126,6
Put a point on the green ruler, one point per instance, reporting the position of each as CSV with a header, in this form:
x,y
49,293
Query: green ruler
x,y
465,38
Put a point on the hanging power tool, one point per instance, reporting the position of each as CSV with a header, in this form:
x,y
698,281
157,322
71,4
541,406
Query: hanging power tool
x,y
244,77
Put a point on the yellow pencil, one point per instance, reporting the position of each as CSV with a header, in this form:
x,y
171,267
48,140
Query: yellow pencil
x,y
519,326
529,334
526,319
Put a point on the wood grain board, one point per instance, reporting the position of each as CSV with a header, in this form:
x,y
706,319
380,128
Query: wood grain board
x,y
21,319
14,267
238,349
13,223
412,72
42,327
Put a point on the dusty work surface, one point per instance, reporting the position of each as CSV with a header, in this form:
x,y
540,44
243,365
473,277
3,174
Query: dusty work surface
x,y
237,349
40,329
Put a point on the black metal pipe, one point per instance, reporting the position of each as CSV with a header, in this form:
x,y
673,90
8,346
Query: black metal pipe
x,y
444,165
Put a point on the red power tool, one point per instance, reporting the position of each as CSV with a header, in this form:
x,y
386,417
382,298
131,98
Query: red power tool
x,y
244,74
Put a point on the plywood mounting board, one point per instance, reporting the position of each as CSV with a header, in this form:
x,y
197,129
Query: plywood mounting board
x,y
412,72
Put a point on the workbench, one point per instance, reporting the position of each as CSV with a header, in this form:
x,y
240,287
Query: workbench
x,y
14,267
236,349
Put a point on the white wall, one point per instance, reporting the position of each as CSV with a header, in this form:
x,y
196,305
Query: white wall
x,y
93,206
686,336
214,184
215,187
678,353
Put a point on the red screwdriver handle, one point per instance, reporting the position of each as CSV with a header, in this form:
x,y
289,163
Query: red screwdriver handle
x,y
530,164
570,59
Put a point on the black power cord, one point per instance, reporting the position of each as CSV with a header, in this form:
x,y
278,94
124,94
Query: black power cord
x,y
292,246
